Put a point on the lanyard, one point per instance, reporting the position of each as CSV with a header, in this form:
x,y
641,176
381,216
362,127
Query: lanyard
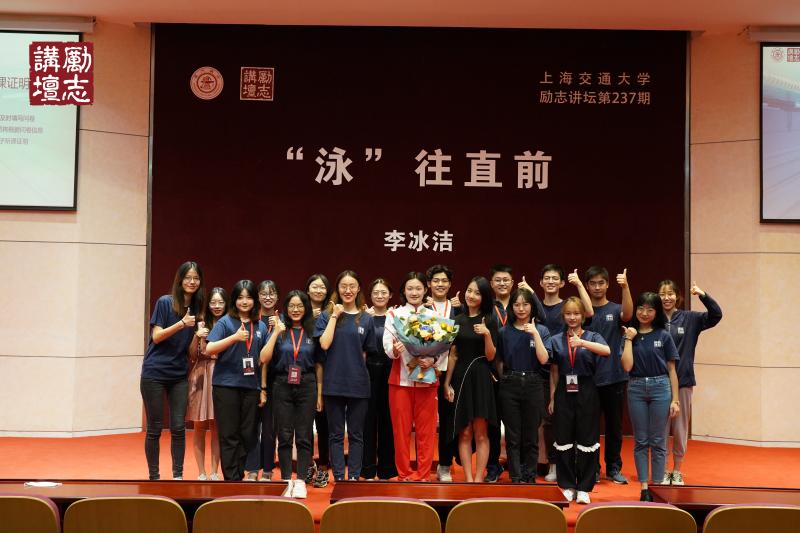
x,y
249,341
503,319
446,313
296,345
269,326
572,352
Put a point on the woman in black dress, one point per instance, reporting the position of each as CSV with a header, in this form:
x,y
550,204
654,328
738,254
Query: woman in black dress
x,y
469,378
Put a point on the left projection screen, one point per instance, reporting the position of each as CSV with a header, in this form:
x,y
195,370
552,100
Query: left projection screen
x,y
38,144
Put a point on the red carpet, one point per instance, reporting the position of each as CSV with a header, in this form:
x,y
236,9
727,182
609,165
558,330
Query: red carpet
x,y
122,457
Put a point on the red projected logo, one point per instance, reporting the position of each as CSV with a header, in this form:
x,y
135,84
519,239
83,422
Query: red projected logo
x,y
61,73
777,54
257,83
793,55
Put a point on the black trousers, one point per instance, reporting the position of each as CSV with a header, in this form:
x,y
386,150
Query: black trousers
x,y
262,456
520,399
577,434
447,447
321,422
612,400
352,411
153,397
294,408
378,434
235,414
547,422
494,432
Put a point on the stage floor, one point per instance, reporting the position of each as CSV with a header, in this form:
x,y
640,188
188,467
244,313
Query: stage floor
x,y
122,457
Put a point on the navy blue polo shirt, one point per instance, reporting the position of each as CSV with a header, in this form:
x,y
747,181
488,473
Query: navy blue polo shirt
x,y
685,328
283,354
345,368
651,351
552,317
169,359
517,350
229,369
606,321
585,361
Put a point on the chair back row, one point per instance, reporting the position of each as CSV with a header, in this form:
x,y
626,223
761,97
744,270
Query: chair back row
x,y
246,514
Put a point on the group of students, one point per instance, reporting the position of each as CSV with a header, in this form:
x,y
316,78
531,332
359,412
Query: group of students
x,y
546,367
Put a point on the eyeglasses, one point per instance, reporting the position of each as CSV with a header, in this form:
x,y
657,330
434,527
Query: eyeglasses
x,y
295,307
316,287
267,294
192,278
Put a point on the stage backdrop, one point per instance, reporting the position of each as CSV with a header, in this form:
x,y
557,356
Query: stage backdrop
x,y
282,151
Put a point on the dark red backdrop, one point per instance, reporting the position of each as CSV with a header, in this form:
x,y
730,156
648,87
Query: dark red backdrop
x,y
225,194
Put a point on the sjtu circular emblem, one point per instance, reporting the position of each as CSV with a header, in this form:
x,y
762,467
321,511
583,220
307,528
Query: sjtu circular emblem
x,y
777,54
206,83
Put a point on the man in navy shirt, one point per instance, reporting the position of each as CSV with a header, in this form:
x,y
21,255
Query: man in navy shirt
x,y
610,378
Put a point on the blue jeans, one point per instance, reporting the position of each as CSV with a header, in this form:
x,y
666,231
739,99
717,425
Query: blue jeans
x,y
354,411
648,404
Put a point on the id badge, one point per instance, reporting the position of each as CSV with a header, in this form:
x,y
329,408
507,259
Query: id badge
x,y
247,365
572,383
294,375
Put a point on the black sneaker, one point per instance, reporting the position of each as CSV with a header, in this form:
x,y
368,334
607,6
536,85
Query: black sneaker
x,y
493,473
646,496
311,473
322,478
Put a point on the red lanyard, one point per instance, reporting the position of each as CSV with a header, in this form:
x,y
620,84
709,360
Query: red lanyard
x,y
572,351
446,313
249,341
269,326
500,317
296,345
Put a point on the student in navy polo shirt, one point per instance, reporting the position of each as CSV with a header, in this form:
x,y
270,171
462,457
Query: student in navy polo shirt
x,y
685,328
297,385
610,378
551,280
522,348
378,431
166,364
346,333
650,356
237,339
574,401
440,279
469,378
318,289
262,456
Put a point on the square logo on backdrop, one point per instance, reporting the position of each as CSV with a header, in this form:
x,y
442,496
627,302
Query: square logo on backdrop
x,y
257,83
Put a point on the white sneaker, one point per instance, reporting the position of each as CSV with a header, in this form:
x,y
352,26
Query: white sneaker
x,y
677,477
287,492
202,477
583,497
667,479
299,489
443,474
551,474
214,477
569,494
266,475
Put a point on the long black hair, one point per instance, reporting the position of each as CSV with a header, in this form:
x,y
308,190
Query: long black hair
x,y
250,287
198,302
487,296
307,320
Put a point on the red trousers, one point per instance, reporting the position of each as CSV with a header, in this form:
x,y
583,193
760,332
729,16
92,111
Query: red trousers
x,y
417,405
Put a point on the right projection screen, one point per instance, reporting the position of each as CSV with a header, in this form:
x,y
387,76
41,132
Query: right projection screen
x,y
780,132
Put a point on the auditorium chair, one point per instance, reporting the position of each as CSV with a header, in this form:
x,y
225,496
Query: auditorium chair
x,y
386,515
245,514
28,514
125,514
742,518
483,515
634,517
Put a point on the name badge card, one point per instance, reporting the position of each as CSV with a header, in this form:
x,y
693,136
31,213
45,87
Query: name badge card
x,y
572,383
247,365
294,375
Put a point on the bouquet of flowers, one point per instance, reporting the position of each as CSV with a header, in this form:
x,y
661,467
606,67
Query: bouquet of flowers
x,y
424,334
